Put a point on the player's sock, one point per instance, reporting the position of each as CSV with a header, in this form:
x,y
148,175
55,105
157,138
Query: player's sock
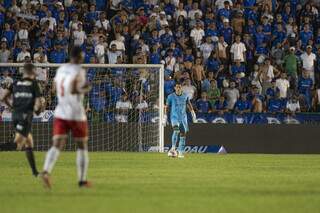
x,y
182,144
51,159
82,164
31,160
174,139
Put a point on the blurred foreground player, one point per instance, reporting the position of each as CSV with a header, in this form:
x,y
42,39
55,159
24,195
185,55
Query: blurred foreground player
x,y
71,85
177,104
26,99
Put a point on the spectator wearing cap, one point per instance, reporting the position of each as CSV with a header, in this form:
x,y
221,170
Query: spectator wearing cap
x,y
308,59
163,19
238,50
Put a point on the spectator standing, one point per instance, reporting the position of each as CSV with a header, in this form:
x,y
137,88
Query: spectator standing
x,y
308,59
238,50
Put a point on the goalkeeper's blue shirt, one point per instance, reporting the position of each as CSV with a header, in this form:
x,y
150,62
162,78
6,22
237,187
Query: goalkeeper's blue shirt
x,y
178,106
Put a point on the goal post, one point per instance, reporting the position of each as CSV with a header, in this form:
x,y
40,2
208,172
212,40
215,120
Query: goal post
x,y
125,107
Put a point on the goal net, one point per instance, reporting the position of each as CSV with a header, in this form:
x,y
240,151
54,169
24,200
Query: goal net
x,y
123,108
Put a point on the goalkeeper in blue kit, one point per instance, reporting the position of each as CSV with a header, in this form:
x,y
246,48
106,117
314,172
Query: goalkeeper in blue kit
x,y
177,104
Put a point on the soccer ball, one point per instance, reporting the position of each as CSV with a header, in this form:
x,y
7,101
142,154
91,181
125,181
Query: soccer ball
x,y
172,153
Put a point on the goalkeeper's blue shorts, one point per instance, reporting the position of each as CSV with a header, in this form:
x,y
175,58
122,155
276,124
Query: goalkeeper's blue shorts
x,y
182,124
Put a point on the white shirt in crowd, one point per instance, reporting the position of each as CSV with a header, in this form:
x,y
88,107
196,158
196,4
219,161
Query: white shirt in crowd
x,y
99,50
238,50
283,85
112,56
79,37
170,62
189,91
22,34
103,24
206,49
123,105
120,45
42,74
142,105
193,12
293,106
197,35
180,13
308,61
52,22
21,56
220,3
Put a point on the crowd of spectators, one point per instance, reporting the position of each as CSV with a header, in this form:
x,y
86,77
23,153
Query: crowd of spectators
x,y
237,56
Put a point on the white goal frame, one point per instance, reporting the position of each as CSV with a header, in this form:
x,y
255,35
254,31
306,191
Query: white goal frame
x,y
161,85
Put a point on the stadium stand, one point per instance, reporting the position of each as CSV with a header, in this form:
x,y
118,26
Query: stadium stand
x,y
232,56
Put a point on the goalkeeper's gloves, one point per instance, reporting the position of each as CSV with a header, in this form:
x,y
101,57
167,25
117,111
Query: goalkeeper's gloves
x,y
194,117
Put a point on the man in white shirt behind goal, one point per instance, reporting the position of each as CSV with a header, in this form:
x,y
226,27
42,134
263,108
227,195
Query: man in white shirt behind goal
x,y
71,85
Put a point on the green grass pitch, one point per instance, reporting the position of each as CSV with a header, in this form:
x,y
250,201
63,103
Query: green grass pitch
x,y
151,183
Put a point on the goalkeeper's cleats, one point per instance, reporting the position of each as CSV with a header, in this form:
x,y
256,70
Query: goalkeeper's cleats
x,y
85,184
45,179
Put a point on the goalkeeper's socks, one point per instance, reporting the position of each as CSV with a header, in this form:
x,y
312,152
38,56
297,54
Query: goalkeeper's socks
x,y
51,159
31,161
182,144
174,138
82,164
